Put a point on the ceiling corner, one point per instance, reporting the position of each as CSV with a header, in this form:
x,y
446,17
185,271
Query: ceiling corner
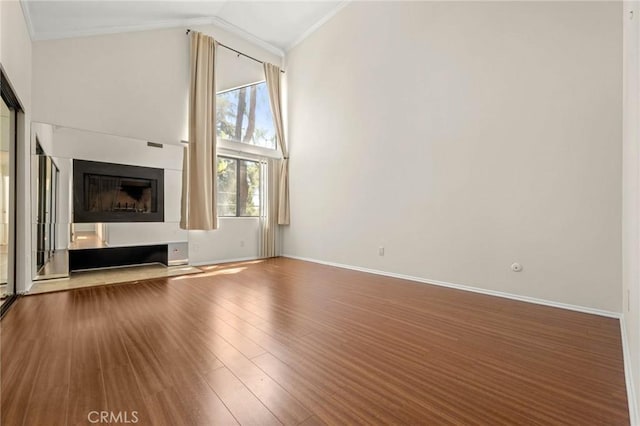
x,y
318,24
225,25
27,18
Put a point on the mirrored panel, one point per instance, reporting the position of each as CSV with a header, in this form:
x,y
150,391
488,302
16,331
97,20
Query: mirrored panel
x,y
8,141
103,201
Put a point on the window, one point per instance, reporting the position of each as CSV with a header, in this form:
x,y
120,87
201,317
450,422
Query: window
x,y
238,187
244,115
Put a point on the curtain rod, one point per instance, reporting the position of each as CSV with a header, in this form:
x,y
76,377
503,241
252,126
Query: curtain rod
x,y
238,52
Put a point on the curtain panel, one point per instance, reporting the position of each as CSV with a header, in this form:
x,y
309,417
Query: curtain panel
x,y
199,172
272,76
269,172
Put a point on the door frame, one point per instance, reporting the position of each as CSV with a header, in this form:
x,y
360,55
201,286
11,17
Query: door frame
x,y
11,100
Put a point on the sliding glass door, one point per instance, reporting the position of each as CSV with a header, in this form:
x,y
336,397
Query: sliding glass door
x,y
8,122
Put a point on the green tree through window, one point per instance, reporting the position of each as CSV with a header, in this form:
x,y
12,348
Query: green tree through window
x,y
244,115
238,187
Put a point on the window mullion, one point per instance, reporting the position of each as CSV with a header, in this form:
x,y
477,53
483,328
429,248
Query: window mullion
x,y
237,187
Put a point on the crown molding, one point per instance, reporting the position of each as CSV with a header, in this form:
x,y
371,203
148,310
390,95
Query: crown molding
x,y
174,23
27,17
318,24
225,25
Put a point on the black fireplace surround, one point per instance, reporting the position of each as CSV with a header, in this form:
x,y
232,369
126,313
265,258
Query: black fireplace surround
x,y
106,192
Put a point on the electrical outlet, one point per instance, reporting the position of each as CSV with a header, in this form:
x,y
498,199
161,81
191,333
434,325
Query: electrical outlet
x,y
628,299
380,251
241,243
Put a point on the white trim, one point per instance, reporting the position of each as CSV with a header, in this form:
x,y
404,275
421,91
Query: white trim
x,y
628,374
231,89
583,309
116,29
242,148
225,25
240,155
172,23
318,24
175,23
27,17
218,262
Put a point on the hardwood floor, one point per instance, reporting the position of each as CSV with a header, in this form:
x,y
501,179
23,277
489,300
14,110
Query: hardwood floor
x,y
289,342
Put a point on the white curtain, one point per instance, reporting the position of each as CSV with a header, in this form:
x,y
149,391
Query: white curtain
x,y
199,166
269,176
272,76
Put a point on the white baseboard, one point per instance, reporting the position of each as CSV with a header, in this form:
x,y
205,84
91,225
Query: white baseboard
x,y
26,290
219,261
628,374
496,293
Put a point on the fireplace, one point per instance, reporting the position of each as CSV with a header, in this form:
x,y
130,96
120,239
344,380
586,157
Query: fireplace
x,y
106,192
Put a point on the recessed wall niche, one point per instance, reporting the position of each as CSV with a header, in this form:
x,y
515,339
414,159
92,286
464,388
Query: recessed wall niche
x,y
108,192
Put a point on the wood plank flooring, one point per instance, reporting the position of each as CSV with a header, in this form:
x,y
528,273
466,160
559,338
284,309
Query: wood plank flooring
x,y
295,343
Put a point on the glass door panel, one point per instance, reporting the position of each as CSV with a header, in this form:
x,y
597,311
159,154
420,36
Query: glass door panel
x,y
7,141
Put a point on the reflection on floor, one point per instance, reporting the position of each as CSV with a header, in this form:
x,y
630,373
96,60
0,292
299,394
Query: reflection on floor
x,y
57,266
111,276
5,291
4,262
85,240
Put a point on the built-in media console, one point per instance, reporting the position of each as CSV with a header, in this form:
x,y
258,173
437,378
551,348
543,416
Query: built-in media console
x,y
107,193
109,257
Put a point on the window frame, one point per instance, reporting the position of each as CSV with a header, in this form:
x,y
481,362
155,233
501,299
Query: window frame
x,y
237,160
243,147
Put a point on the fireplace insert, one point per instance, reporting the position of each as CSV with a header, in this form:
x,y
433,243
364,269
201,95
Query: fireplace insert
x,y
106,192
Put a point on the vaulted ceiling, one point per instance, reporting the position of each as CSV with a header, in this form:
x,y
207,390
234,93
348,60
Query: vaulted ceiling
x,y
280,24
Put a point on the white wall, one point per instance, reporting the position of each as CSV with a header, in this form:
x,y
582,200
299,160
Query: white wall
x,y
631,188
92,146
463,137
237,238
131,84
15,50
15,59
136,85
67,144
